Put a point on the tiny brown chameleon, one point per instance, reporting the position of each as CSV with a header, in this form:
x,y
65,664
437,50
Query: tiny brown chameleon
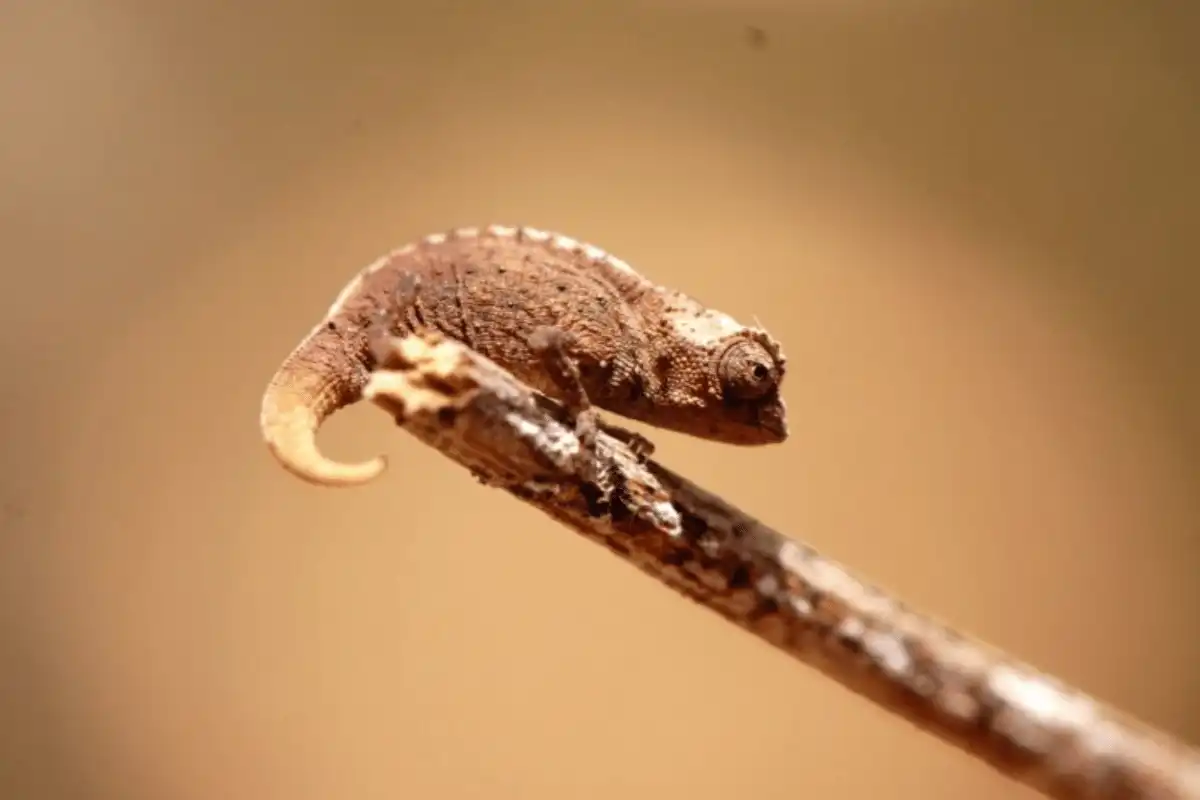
x,y
570,320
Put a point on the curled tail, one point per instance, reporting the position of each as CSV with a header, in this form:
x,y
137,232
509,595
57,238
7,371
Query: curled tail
x,y
322,375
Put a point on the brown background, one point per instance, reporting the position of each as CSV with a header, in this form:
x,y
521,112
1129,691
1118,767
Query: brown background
x,y
973,225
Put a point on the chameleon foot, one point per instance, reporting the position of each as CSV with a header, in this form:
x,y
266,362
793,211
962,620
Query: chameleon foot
x,y
641,447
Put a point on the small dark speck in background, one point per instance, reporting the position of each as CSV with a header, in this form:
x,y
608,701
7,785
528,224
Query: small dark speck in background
x,y
756,38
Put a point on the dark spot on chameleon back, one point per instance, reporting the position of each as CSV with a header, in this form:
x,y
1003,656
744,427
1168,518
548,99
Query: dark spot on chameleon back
x,y
662,365
589,372
637,388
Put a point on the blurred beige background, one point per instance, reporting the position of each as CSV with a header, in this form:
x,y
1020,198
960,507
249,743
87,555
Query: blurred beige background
x,y
972,224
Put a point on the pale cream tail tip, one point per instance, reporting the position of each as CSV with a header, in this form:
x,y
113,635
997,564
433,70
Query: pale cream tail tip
x,y
326,472
290,435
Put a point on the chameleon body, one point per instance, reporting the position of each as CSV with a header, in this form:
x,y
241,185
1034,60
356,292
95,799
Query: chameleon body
x,y
640,350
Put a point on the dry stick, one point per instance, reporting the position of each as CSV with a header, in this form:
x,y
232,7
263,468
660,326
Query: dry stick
x,y
1022,722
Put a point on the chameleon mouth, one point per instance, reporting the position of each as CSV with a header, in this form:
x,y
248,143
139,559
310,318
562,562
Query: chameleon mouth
x,y
772,419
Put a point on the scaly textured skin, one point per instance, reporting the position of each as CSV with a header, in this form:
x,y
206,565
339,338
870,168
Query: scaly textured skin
x,y
643,351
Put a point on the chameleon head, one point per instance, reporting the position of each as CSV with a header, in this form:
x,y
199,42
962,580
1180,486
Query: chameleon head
x,y
724,383
748,375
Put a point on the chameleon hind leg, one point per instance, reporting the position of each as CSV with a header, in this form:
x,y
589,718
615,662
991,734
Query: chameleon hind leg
x,y
402,316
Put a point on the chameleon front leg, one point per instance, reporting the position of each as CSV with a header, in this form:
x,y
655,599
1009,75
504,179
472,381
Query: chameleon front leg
x,y
641,447
554,346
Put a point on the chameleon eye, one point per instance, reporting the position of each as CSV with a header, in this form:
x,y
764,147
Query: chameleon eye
x,y
746,371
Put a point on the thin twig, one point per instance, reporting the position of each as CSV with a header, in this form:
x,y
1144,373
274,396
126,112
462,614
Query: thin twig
x,y
1023,723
